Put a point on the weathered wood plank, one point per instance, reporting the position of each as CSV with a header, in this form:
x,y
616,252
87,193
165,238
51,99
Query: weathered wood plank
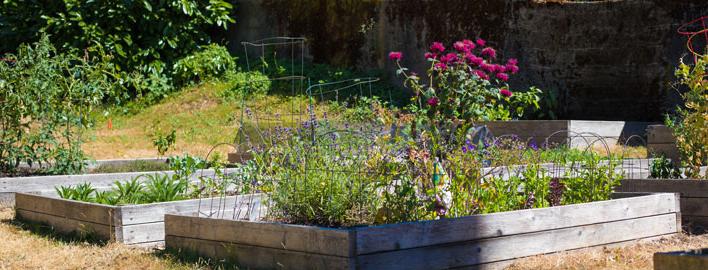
x,y
684,260
67,225
254,257
696,224
143,233
517,246
260,234
42,183
155,212
660,134
694,206
416,234
687,188
81,211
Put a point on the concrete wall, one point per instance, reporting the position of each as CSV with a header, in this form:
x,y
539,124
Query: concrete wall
x,y
605,60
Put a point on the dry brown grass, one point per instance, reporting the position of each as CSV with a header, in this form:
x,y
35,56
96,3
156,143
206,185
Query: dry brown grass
x,y
637,256
22,249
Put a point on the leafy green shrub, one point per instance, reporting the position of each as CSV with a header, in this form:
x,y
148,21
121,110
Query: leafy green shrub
x,y
156,188
212,61
691,126
47,99
348,178
245,85
662,168
136,33
164,142
147,188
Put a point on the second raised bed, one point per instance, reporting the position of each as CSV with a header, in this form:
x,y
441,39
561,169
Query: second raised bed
x,y
141,225
489,240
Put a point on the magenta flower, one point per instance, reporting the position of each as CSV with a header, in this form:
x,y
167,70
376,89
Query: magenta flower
x,y
461,47
469,44
449,58
475,60
481,42
430,56
512,61
481,74
395,56
440,66
503,76
433,101
487,67
505,92
437,47
512,68
488,51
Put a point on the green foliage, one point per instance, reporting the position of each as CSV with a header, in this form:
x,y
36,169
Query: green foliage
x,y
186,165
82,192
162,188
129,192
329,192
662,168
137,33
212,61
245,85
342,178
147,188
46,103
691,126
164,142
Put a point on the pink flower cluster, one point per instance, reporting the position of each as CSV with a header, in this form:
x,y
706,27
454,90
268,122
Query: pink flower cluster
x,y
395,56
464,55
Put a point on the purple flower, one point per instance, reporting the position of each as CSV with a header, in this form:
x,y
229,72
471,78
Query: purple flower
x,y
533,145
530,200
512,61
395,56
437,47
503,76
556,192
481,42
429,56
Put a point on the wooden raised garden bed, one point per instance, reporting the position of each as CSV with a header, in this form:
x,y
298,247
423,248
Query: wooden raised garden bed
x,y
490,240
141,225
612,132
684,260
694,197
44,185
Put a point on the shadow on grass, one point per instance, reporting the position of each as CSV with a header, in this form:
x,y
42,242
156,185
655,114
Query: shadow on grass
x,y
47,231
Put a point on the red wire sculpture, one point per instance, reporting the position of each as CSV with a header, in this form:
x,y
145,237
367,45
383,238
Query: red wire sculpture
x,y
700,26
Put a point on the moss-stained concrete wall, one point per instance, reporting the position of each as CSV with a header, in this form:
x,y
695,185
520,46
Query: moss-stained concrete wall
x,y
608,60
